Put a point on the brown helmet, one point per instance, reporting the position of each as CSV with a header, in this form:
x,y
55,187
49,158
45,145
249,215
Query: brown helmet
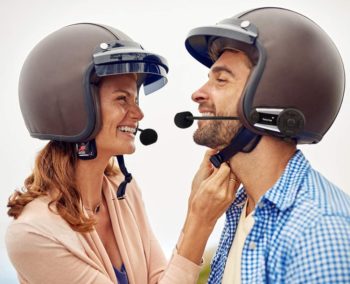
x,y
58,81
297,83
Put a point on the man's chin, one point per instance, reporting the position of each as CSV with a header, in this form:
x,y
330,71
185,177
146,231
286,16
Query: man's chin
x,y
206,140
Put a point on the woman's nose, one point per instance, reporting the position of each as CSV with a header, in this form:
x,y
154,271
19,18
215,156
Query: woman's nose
x,y
136,112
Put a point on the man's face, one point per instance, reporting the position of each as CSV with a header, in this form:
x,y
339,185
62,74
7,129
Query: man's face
x,y
219,96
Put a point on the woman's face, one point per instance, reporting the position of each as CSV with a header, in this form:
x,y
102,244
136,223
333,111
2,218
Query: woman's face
x,y
120,115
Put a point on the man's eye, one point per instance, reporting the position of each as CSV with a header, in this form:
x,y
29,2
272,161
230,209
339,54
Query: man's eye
x,y
221,80
121,98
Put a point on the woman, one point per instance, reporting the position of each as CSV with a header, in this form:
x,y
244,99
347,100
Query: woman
x,y
75,222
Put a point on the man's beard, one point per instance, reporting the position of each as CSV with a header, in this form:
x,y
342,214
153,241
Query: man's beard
x,y
216,134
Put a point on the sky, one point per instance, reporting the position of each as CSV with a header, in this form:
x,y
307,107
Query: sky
x,y
163,170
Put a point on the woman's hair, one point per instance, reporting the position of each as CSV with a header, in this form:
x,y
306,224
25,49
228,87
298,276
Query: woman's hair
x,y
54,172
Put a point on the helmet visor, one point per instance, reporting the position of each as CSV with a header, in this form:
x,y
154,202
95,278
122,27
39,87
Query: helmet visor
x,y
126,57
242,36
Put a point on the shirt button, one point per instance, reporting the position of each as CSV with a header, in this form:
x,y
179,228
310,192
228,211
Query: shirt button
x,y
261,204
252,245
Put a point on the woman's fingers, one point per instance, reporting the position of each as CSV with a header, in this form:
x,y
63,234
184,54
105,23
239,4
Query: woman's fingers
x,y
233,184
205,170
206,167
208,154
220,176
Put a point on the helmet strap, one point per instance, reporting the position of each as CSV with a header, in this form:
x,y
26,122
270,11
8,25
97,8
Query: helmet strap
x,y
244,141
86,150
127,177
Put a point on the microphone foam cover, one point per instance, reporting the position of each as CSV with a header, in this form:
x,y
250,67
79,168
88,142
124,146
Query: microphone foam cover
x,y
181,119
148,136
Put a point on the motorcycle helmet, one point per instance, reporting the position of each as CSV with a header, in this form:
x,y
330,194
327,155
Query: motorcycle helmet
x,y
297,82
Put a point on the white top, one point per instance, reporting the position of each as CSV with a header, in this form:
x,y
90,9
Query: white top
x,y
232,273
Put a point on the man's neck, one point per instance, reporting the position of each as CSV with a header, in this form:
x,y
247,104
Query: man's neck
x,y
260,169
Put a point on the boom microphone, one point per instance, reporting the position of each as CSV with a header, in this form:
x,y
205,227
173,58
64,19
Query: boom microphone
x,y
148,136
185,119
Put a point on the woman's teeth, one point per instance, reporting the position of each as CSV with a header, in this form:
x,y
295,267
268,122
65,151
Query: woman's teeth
x,y
127,129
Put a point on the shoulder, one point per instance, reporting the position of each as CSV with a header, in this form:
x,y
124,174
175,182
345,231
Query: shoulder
x,y
319,221
37,223
330,199
38,216
318,204
318,201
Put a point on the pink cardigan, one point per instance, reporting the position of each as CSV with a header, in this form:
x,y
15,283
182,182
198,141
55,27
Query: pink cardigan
x,y
44,249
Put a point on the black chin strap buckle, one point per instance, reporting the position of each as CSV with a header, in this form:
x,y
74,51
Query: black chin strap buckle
x,y
244,141
216,160
127,178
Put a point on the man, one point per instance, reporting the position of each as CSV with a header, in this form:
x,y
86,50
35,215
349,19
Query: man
x,y
283,77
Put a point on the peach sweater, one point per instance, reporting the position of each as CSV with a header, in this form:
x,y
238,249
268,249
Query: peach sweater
x,y
44,249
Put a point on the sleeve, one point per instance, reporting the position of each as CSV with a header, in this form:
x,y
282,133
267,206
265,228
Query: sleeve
x,y
177,270
322,255
42,259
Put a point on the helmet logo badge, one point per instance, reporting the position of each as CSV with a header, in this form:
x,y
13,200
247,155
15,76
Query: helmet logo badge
x,y
104,46
245,24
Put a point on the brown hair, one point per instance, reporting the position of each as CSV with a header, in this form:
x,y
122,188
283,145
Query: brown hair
x,y
219,45
54,172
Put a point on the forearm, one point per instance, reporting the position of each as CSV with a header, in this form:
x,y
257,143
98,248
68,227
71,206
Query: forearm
x,y
195,236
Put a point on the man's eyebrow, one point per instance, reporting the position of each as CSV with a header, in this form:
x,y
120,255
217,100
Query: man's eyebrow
x,y
126,92
222,68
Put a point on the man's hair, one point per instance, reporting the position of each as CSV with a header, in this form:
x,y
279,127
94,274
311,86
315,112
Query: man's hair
x,y
219,45
54,174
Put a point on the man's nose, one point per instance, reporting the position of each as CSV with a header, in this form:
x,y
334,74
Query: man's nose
x,y
201,94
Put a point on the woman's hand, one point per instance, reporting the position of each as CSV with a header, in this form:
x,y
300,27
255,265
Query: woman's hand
x,y
205,170
213,190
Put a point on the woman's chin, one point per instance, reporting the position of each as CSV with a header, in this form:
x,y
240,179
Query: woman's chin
x,y
126,151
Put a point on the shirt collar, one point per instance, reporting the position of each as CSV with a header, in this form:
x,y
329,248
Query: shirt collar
x,y
284,191
241,197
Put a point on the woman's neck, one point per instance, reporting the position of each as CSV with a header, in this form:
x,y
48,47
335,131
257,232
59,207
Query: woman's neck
x,y
89,179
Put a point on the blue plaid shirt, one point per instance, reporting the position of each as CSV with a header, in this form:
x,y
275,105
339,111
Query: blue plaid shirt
x,y
301,232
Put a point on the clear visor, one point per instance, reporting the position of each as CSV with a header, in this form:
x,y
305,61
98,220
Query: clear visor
x,y
126,57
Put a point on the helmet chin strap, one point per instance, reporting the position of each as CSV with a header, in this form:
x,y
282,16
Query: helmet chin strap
x,y
244,141
127,177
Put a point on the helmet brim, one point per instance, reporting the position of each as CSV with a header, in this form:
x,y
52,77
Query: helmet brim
x,y
125,58
199,40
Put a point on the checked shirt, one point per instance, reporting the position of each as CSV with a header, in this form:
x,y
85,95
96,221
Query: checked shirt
x,y
301,232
